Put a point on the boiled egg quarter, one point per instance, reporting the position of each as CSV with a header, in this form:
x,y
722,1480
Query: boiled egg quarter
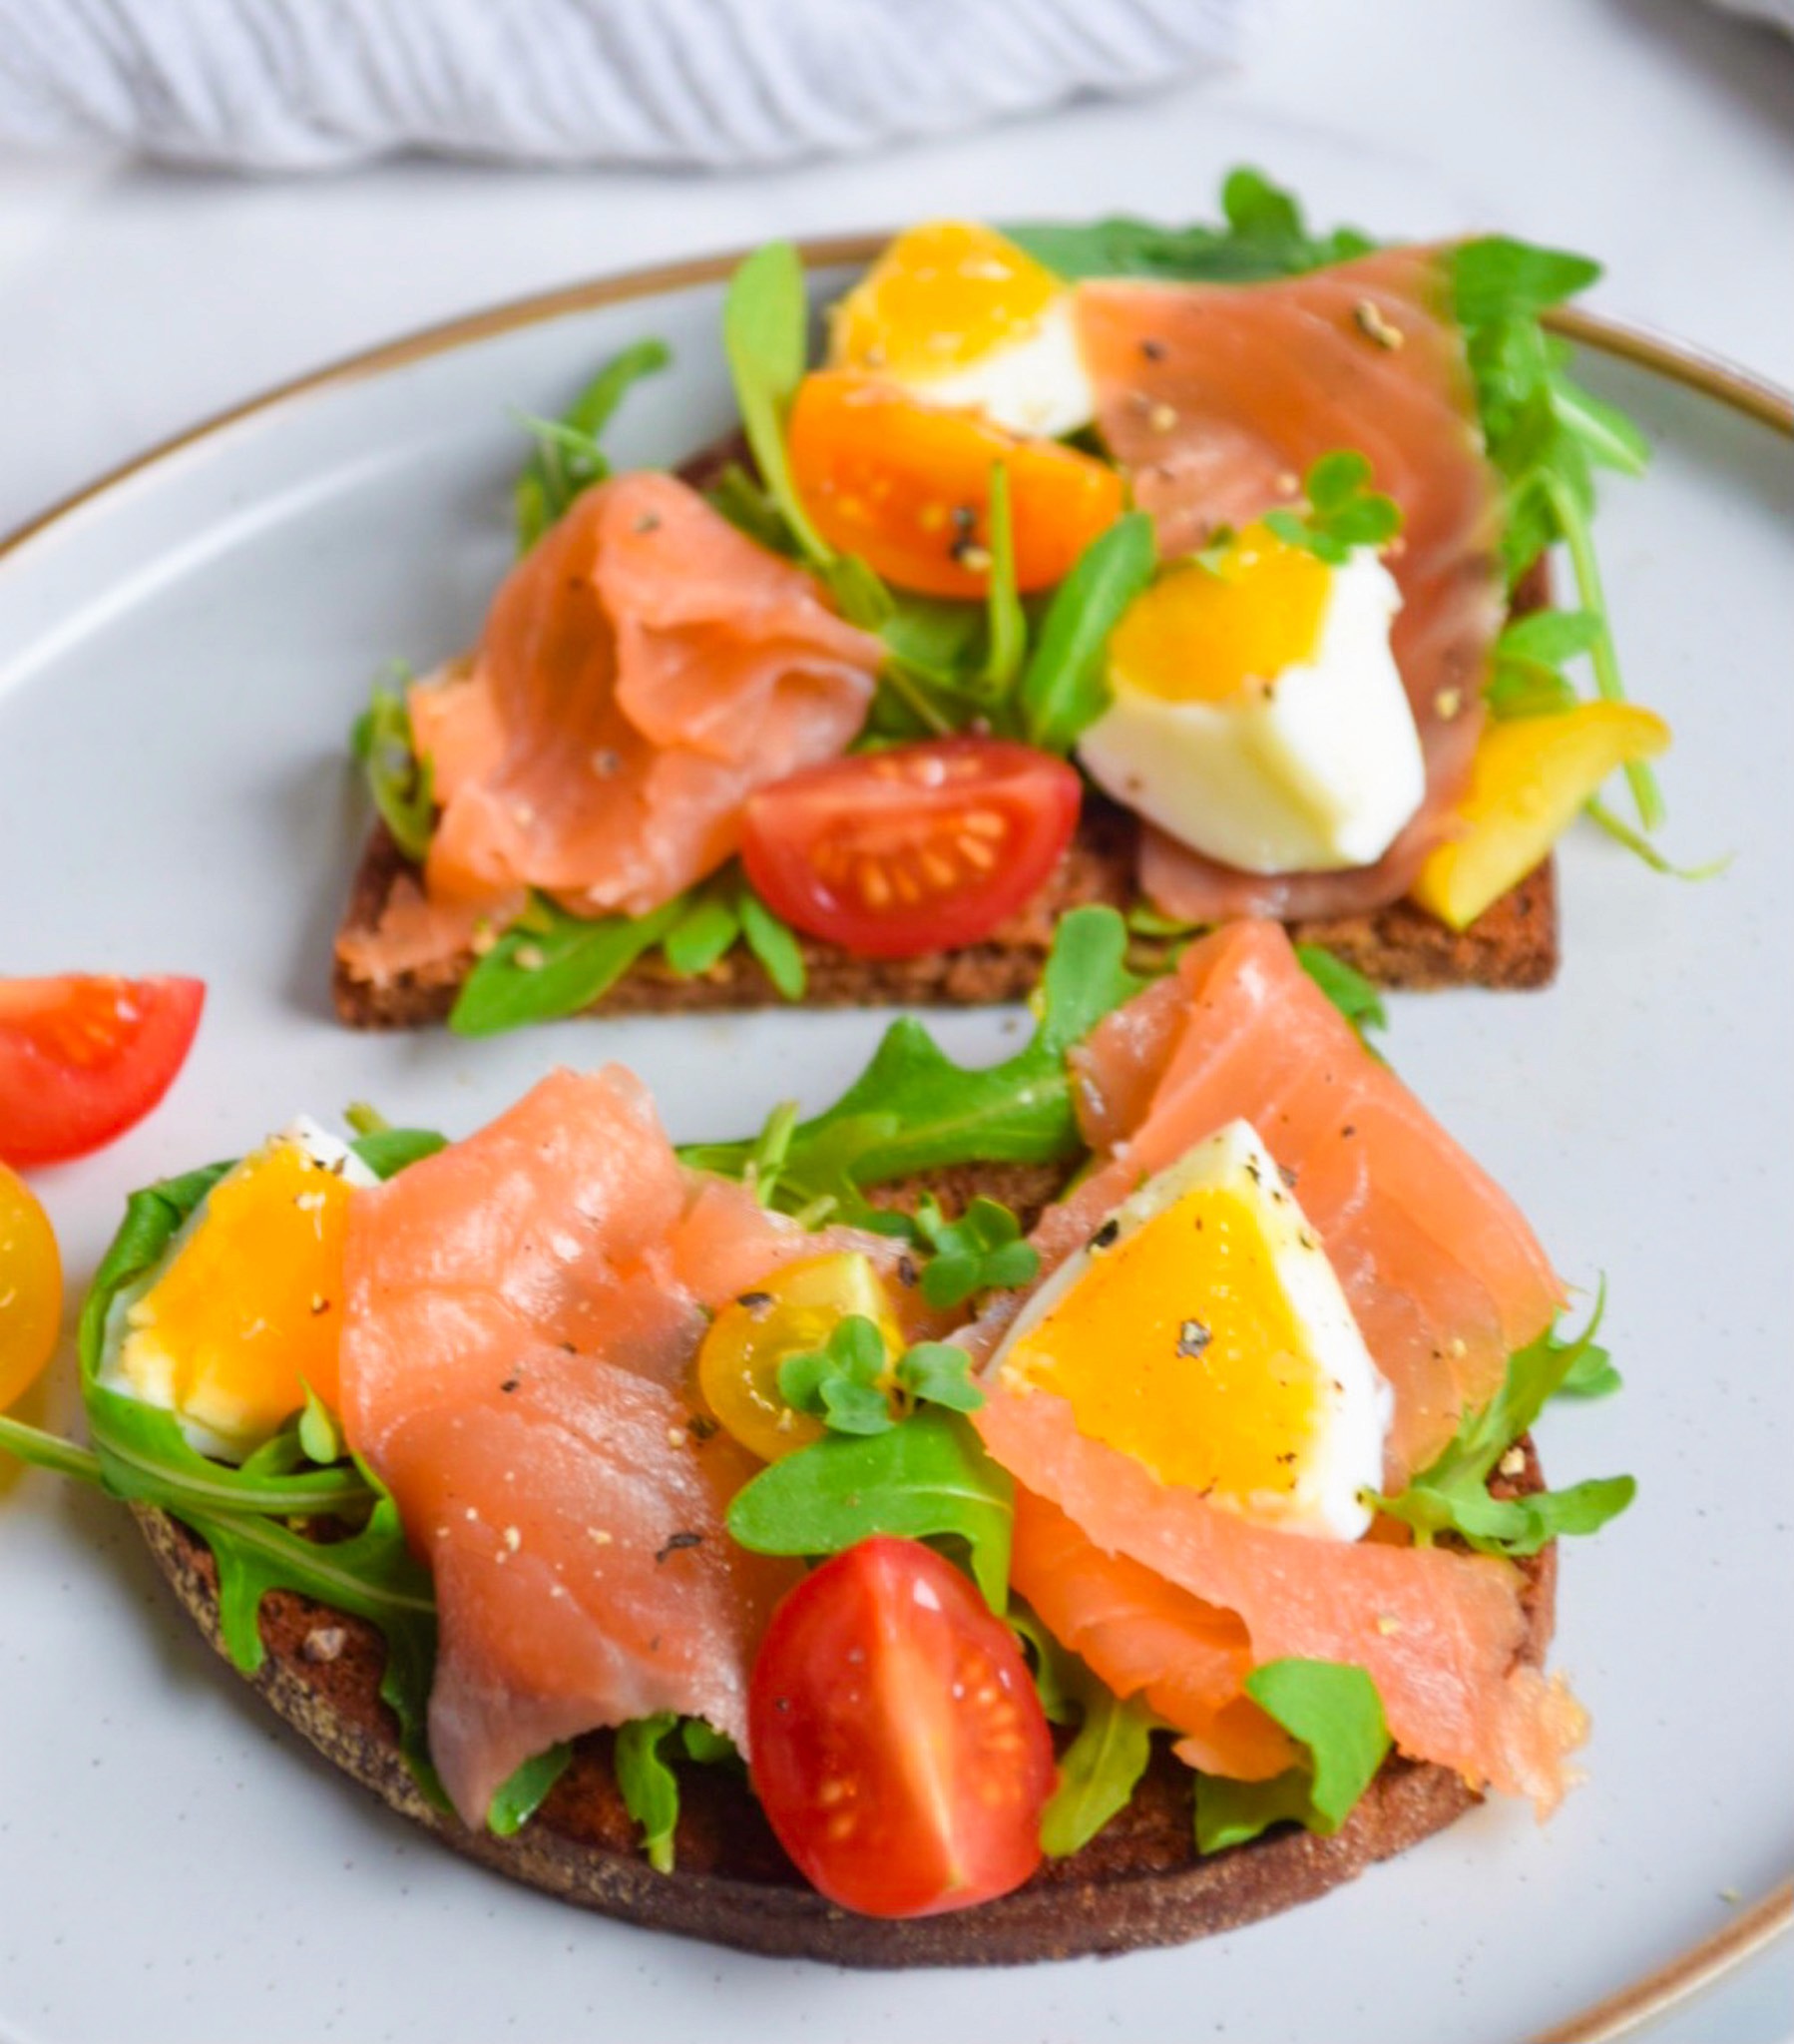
x,y
1257,713
245,1311
956,313
1203,1332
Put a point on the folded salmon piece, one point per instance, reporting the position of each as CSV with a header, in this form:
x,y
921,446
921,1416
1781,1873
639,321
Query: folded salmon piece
x,y
522,1314
1218,399
644,669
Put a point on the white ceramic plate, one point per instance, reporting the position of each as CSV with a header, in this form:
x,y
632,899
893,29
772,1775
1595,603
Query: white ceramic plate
x,y
181,653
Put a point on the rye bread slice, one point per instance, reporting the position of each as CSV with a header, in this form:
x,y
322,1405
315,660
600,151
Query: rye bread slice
x,y
1512,946
1139,1882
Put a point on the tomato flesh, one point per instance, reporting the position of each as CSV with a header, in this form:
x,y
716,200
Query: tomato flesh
x,y
30,1289
907,486
923,848
899,1748
85,1057
797,1307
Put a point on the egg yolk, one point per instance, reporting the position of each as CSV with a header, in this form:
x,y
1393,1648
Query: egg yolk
x,y
1204,632
250,1305
1179,1347
941,296
907,486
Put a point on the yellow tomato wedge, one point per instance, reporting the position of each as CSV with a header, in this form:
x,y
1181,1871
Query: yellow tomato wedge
x,y
1530,776
797,1307
30,1289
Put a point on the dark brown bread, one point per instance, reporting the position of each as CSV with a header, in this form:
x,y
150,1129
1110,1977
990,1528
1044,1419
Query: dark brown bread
x,y
1139,1882
1512,945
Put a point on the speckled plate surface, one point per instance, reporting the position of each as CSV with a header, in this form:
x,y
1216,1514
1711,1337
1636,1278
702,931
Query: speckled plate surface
x,y
180,656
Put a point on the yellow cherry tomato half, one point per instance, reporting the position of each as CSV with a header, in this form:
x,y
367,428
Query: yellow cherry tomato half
x,y
797,1307
907,485
30,1289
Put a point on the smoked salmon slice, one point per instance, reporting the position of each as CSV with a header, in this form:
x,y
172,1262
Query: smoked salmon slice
x,y
522,1312
1218,399
1439,1633
1143,1636
1172,1598
644,669
1442,1274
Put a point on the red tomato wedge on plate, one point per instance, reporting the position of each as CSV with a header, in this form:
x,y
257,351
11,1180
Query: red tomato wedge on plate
x,y
923,848
899,1748
84,1056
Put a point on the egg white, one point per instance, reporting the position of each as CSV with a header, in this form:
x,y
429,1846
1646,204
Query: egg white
x,y
1311,770
1035,385
1357,1404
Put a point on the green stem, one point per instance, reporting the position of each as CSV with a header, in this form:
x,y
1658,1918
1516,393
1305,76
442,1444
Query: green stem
x,y
1573,527
49,1451
914,699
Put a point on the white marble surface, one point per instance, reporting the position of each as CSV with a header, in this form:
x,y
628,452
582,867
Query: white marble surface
x,y
1647,131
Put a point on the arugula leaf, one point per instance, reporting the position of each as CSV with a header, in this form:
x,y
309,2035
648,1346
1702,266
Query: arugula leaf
x,y
402,785
1526,677
925,1478
913,1109
1264,237
517,1799
737,496
766,319
386,1151
1331,1709
981,1250
773,943
705,932
1343,512
1064,689
1356,997
568,457
1451,1495
1544,433
553,964
650,1787
1006,621
1101,1768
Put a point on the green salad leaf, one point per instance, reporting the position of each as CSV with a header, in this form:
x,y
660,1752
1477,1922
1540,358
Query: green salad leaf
x,y
1547,436
568,457
981,1251
854,1385
1064,688
1343,511
1333,1711
643,1756
1101,1768
926,1478
1451,1495
765,323
773,942
1526,677
402,784
914,1109
518,1799
1264,237
1356,997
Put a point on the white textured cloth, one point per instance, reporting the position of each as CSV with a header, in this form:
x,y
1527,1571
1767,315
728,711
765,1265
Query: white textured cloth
x,y
301,84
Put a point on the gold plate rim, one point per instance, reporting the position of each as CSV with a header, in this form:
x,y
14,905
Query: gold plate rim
x,y
1711,375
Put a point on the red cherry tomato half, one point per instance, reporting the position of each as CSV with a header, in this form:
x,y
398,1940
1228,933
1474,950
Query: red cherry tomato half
x,y
920,848
899,1748
85,1057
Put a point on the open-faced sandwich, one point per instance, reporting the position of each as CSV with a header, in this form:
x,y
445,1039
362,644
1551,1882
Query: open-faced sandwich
x,y
1197,573
1058,1506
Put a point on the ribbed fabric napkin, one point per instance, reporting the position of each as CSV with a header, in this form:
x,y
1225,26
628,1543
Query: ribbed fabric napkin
x,y
305,84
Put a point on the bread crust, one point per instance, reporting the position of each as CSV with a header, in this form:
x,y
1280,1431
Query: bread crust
x,y
1512,945
1139,1882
